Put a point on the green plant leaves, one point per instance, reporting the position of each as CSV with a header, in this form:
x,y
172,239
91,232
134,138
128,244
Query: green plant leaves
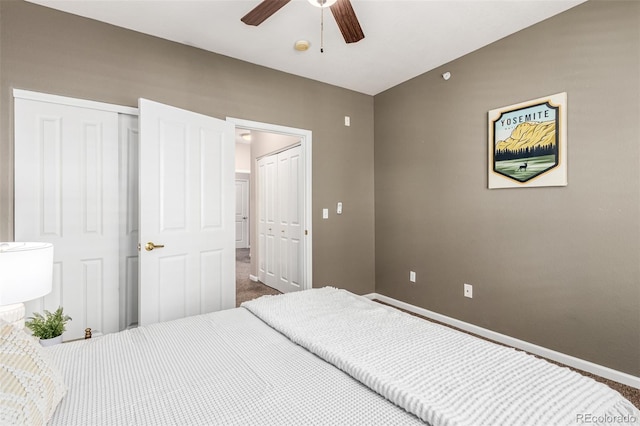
x,y
48,325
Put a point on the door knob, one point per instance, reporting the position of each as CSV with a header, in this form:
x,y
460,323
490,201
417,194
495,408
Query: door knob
x,y
150,246
244,217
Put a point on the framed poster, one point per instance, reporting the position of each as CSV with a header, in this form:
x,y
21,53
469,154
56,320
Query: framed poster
x,y
528,143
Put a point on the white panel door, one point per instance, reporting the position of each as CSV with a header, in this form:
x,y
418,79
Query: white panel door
x,y
267,220
289,229
280,211
187,205
66,193
262,238
242,213
129,161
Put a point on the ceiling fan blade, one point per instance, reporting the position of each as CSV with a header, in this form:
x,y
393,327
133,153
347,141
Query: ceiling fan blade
x,y
347,21
262,11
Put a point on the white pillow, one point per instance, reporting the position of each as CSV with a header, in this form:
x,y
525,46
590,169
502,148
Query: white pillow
x,y
30,387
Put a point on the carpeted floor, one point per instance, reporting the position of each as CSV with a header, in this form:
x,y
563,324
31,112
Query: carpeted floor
x,y
245,288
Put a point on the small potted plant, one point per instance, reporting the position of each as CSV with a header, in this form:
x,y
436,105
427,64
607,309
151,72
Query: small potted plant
x,y
48,327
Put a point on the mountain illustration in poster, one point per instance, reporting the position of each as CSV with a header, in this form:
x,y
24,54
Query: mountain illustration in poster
x,y
526,142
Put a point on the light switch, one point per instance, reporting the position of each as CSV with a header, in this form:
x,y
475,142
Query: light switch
x,y
339,208
325,213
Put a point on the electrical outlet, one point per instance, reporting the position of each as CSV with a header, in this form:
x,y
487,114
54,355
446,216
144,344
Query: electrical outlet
x,y
468,291
412,276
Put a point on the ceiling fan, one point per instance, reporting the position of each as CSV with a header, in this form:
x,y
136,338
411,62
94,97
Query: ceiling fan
x,y
342,12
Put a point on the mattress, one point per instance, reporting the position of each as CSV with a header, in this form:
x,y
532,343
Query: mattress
x,y
226,368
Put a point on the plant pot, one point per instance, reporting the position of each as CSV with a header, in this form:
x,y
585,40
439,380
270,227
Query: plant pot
x,y
52,341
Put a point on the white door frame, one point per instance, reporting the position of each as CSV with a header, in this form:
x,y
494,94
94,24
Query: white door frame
x,y
305,143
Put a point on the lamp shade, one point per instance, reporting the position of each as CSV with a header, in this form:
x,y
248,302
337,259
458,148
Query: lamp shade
x,y
26,271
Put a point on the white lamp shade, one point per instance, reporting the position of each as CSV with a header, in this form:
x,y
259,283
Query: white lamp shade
x,y
26,271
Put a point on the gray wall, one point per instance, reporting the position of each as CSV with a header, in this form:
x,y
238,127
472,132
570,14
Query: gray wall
x,y
48,51
558,267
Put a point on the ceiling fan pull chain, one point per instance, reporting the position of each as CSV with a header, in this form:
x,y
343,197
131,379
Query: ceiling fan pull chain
x,y
322,30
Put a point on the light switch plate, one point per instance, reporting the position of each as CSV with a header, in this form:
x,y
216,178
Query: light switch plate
x,y
325,213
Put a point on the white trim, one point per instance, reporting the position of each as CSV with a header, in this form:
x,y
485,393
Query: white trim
x,y
253,278
64,100
580,364
305,143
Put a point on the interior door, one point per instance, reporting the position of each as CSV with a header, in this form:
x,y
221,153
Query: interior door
x,y
267,222
129,161
280,211
242,213
187,231
66,193
289,199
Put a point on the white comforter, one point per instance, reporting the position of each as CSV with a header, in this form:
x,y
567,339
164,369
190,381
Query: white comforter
x,y
224,368
443,376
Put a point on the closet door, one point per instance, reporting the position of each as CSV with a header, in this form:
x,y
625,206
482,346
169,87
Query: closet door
x,y
129,161
280,207
289,228
187,208
66,193
267,222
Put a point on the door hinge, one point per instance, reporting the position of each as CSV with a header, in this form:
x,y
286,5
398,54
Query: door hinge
x,y
306,232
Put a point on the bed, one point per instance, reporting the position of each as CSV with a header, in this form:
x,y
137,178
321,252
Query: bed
x,y
316,357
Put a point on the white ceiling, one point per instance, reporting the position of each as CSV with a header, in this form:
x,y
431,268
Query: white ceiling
x,y
403,39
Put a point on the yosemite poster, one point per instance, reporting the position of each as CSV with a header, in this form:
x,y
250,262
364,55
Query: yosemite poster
x,y
527,143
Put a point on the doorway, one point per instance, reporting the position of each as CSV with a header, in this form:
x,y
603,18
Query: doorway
x,y
270,139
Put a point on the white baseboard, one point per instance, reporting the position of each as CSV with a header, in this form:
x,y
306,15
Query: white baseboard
x,y
571,361
253,278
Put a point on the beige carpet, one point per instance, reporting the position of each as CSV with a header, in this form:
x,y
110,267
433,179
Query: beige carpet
x,y
245,288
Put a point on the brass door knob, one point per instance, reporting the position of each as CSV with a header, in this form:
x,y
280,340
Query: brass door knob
x,y
150,246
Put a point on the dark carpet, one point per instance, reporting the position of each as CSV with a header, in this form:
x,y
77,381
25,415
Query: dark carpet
x,y
245,288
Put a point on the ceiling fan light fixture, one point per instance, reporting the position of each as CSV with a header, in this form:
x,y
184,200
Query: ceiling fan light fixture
x,y
301,45
322,3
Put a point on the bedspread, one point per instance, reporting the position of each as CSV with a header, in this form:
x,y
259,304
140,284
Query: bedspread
x,y
443,376
223,368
